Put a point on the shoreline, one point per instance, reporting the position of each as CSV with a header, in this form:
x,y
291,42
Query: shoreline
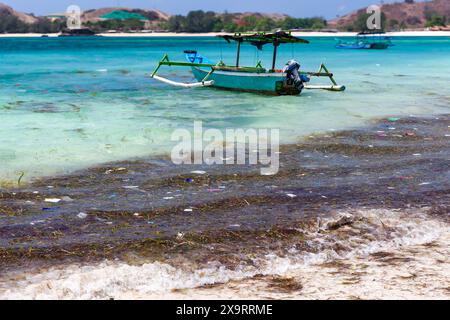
x,y
213,34
367,198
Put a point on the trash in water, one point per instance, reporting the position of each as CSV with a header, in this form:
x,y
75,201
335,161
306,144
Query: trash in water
x,y
168,198
198,172
115,170
52,200
180,235
189,180
188,210
290,195
393,119
82,215
417,154
130,187
50,209
67,199
214,190
424,183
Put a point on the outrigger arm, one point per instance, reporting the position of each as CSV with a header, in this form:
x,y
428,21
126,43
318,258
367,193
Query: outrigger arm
x,y
323,72
334,87
166,62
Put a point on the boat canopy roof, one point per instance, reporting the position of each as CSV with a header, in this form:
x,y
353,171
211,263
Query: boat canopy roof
x,y
259,39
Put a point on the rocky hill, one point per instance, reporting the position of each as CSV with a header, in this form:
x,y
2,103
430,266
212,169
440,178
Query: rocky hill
x,y
8,11
408,14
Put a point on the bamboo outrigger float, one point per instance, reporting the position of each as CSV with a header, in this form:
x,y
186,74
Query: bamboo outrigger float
x,y
289,81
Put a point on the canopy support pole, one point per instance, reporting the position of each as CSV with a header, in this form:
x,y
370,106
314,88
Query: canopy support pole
x,y
238,53
274,60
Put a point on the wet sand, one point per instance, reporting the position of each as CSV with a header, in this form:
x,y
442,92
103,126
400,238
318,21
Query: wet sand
x,y
349,214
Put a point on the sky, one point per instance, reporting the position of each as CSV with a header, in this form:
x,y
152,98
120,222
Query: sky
x,y
296,8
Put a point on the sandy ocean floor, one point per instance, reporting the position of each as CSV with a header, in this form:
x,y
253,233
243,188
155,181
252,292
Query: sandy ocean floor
x,y
358,214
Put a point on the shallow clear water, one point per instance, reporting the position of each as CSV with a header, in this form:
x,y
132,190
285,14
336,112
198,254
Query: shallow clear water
x,y
70,103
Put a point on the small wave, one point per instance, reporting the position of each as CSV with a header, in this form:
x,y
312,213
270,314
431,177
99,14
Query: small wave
x,y
112,279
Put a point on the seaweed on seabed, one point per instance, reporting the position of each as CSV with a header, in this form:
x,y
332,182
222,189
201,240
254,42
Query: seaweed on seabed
x,y
284,284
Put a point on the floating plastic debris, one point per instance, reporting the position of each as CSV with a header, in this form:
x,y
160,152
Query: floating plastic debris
x,y
50,209
115,170
188,210
198,172
82,215
168,198
290,195
424,183
52,200
393,119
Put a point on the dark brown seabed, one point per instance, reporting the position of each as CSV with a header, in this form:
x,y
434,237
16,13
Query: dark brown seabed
x,y
236,212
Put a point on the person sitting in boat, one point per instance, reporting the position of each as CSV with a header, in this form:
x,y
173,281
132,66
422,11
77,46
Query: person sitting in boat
x,y
292,73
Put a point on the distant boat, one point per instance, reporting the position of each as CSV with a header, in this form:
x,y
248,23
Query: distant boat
x,y
84,32
289,81
367,40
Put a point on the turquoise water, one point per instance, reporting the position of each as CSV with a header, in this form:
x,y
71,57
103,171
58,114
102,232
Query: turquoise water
x,y
70,103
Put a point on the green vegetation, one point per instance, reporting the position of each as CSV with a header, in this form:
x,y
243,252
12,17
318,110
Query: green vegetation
x,y
9,23
435,20
200,21
194,22
119,25
12,24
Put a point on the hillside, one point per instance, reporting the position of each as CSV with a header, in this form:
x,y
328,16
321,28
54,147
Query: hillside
x,y
8,11
107,13
403,15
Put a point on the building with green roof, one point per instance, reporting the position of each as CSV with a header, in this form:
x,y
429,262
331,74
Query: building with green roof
x,y
123,15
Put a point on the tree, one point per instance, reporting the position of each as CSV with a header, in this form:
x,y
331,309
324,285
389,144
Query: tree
x,y
436,20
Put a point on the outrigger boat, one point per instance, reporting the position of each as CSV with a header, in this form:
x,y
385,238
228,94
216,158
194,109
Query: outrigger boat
x,y
289,81
367,40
